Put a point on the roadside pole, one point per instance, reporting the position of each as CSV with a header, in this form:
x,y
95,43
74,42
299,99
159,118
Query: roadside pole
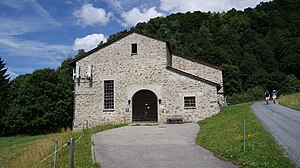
x,y
244,134
55,151
71,162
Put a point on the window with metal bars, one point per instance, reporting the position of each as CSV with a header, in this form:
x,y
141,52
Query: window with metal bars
x,y
109,94
190,102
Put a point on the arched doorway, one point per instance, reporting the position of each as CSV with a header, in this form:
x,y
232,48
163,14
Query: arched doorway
x,y
144,106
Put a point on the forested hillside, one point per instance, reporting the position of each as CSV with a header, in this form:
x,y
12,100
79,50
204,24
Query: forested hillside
x,y
257,48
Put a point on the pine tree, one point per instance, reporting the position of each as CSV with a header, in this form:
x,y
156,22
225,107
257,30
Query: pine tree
x,y
4,79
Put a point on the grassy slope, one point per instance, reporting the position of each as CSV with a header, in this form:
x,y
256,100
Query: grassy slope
x,y
83,153
291,101
12,147
223,135
28,151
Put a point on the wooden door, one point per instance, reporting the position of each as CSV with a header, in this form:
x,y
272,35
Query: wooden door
x,y
144,106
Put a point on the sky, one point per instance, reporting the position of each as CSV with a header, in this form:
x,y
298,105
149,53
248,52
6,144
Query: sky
x,y
37,34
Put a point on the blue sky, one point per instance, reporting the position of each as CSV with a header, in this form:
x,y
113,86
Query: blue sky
x,y
36,34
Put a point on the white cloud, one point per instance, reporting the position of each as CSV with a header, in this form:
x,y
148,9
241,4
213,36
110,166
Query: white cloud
x,y
119,6
205,6
13,4
116,4
28,16
89,15
32,54
88,42
135,16
34,49
69,2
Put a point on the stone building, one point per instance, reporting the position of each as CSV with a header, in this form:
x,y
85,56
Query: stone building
x,y
136,77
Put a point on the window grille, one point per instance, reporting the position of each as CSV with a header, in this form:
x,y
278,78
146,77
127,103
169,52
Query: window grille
x,y
190,102
109,94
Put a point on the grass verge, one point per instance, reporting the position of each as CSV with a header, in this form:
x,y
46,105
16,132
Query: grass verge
x,y
291,101
28,151
12,148
223,134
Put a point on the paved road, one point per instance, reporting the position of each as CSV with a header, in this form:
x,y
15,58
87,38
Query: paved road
x,y
283,123
166,146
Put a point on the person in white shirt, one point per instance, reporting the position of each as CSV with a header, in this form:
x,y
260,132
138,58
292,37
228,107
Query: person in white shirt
x,y
274,96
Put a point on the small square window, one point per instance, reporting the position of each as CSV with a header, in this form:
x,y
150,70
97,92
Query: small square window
x,y
190,102
134,48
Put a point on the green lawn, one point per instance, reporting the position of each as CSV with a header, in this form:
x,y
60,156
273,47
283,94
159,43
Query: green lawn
x,y
223,135
28,151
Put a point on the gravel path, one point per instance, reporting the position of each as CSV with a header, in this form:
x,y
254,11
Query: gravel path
x,y
283,123
166,146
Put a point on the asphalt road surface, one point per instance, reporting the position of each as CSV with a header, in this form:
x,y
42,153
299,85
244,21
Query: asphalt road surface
x,y
164,146
283,123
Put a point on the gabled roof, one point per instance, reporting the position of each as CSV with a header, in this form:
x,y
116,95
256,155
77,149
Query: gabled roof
x,y
198,61
73,61
195,77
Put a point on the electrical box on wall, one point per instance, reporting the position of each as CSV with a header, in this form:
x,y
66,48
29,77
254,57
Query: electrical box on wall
x,y
76,72
126,109
89,72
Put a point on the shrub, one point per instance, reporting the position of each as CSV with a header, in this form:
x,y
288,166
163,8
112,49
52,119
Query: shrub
x,y
252,94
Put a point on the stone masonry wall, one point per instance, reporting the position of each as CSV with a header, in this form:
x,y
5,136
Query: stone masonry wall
x,y
177,87
206,72
134,72
198,69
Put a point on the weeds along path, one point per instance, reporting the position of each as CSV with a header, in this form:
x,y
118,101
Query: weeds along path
x,y
284,125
